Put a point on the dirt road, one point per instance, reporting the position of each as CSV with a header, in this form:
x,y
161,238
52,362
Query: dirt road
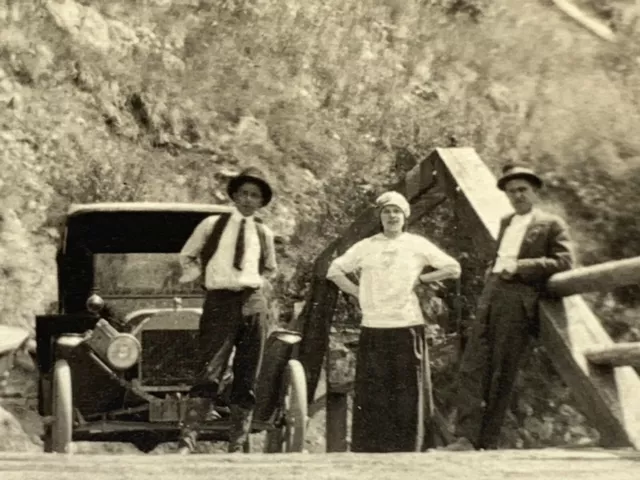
x,y
531,465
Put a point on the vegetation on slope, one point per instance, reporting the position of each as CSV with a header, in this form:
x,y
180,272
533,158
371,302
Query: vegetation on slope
x,y
163,100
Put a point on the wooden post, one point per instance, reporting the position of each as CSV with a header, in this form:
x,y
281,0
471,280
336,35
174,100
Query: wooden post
x,y
336,435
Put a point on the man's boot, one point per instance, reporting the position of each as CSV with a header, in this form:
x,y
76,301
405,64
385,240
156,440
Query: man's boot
x,y
461,444
188,439
191,422
241,419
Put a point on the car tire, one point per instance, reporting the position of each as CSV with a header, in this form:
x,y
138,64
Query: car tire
x,y
146,443
45,405
62,425
295,407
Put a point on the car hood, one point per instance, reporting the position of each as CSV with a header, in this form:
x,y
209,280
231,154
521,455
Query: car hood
x,y
163,319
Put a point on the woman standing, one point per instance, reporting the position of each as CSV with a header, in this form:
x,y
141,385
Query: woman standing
x,y
388,402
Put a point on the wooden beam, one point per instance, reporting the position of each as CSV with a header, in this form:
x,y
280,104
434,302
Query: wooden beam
x,y
584,20
608,397
471,178
315,322
618,355
594,278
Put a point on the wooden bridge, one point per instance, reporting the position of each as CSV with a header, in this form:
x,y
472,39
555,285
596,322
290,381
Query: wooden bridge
x,y
598,372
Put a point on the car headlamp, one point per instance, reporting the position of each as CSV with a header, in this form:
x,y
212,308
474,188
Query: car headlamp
x,y
94,303
123,351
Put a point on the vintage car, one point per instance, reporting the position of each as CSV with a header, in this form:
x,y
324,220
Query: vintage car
x,y
118,361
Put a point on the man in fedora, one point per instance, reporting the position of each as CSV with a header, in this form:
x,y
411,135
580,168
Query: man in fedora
x,y
233,254
532,246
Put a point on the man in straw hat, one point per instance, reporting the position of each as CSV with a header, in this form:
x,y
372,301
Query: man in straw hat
x,y
232,254
532,246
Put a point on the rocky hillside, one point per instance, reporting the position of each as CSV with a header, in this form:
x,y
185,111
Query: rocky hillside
x,y
163,100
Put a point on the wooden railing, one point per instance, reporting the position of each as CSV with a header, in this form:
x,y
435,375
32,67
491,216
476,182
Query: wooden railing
x,y
609,395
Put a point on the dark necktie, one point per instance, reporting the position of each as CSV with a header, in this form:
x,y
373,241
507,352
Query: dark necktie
x,y
239,253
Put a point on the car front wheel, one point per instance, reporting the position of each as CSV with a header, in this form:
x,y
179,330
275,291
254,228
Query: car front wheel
x,y
61,427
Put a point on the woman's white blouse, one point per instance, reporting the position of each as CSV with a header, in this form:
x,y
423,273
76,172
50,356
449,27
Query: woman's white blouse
x,y
389,269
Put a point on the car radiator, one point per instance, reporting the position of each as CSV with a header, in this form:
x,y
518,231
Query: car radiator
x,y
169,357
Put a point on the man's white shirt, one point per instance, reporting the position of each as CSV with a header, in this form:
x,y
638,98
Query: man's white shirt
x,y
219,272
389,269
512,241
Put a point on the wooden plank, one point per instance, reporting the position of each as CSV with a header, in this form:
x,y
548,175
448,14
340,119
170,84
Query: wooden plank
x,y
314,323
618,355
594,278
530,464
336,422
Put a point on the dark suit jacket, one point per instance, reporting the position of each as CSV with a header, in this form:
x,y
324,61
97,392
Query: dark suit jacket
x,y
546,249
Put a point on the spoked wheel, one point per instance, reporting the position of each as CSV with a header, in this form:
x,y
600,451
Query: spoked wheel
x,y
61,427
295,408
292,435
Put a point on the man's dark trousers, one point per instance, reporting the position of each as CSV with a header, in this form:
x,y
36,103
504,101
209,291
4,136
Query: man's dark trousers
x,y
505,320
233,318
230,319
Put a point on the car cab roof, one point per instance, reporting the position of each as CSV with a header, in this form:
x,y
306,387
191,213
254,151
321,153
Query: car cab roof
x,y
127,207
133,227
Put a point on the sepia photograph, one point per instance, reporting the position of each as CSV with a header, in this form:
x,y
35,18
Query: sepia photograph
x,y
319,239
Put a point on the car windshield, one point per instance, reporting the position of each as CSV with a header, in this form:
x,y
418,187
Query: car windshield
x,y
140,274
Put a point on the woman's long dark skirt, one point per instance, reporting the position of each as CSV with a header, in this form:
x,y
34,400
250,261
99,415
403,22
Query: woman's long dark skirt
x,y
385,410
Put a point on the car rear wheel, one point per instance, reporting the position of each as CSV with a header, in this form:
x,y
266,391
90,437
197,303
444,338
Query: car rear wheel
x,y
61,427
